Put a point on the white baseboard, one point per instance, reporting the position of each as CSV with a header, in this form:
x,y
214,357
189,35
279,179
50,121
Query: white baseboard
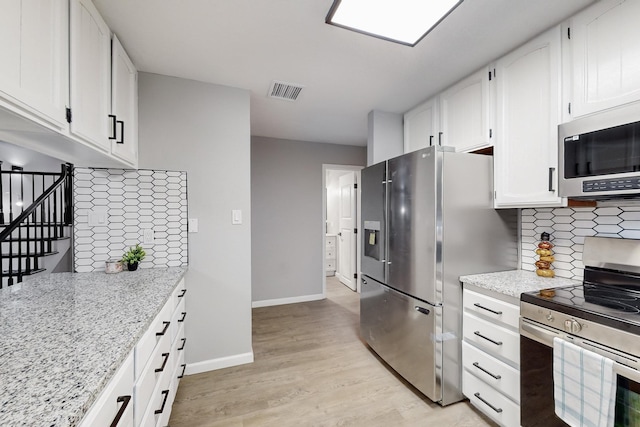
x,y
282,301
220,363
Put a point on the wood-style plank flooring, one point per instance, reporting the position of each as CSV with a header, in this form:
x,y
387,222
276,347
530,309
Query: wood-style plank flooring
x,y
311,369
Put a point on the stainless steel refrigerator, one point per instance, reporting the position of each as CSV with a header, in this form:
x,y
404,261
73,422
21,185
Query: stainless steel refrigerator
x,y
427,218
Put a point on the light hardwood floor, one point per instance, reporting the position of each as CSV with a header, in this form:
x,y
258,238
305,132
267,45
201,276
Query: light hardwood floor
x,y
311,369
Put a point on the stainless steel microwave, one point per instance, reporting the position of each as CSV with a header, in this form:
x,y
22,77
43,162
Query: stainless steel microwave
x,y
599,155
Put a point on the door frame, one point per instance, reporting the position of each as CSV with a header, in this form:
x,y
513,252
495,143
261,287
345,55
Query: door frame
x,y
346,168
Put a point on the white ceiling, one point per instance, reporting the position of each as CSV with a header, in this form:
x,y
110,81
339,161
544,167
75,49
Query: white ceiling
x,y
248,43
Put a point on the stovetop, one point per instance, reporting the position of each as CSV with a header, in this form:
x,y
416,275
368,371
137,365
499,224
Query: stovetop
x,y
614,305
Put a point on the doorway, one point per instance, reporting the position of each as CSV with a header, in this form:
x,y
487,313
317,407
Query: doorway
x,y
341,217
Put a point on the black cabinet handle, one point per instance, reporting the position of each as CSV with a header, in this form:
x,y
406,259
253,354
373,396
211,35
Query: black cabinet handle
x,y
421,309
164,363
113,126
184,367
184,342
164,401
121,123
184,291
125,402
488,309
487,338
440,139
551,171
477,365
184,314
498,410
164,330
430,140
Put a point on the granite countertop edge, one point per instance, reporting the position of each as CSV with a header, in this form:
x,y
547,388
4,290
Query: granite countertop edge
x,y
514,282
63,369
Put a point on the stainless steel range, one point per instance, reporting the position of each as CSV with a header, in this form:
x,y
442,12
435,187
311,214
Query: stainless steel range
x,y
602,315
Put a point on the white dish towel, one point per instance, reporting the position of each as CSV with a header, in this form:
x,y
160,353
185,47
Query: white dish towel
x,y
584,386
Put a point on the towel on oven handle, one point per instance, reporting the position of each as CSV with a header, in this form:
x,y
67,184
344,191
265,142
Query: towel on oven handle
x,y
583,386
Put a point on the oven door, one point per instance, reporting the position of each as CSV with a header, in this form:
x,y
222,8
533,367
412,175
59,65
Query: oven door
x,y
537,406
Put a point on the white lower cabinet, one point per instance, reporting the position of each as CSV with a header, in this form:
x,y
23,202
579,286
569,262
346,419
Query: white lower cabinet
x,y
491,356
114,406
144,388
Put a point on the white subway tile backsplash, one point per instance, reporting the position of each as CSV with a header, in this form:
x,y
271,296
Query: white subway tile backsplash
x,y
136,200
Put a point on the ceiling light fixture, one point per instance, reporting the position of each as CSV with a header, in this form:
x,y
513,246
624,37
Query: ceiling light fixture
x,y
401,21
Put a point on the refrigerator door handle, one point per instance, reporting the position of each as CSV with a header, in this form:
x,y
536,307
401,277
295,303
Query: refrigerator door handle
x,y
422,310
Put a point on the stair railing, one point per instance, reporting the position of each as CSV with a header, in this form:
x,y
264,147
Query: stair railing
x,y
29,234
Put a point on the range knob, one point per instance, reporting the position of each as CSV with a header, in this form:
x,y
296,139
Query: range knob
x,y
572,326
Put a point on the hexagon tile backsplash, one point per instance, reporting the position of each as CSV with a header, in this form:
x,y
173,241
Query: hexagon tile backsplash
x,y
133,200
568,228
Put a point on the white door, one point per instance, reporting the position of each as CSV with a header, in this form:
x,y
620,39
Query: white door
x,y
346,235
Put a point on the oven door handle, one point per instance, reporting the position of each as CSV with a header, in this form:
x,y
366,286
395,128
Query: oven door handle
x,y
545,336
537,333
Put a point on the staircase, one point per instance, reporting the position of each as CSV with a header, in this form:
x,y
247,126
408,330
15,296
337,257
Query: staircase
x,y
35,217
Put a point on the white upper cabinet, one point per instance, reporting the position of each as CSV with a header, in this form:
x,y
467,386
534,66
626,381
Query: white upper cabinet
x,y
421,126
465,113
527,118
34,71
90,75
605,45
124,105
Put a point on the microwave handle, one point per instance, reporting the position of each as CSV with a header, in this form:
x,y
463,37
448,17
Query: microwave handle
x,y
551,171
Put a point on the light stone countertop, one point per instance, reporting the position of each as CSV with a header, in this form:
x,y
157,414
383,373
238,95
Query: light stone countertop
x,y
514,282
63,336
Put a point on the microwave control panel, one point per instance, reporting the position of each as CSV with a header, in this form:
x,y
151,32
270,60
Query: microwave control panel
x,y
612,184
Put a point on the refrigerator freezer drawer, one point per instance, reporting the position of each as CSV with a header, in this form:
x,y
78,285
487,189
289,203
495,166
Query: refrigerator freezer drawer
x,y
401,330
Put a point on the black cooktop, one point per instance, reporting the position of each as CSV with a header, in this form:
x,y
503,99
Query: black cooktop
x,y
607,297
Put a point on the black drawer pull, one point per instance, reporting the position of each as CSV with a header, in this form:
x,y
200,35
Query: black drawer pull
x,y
498,410
164,330
184,291
121,123
184,314
184,367
477,365
184,341
164,401
164,363
125,402
488,309
487,338
421,309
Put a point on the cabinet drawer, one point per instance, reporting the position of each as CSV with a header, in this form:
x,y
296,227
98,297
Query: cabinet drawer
x,y
179,293
330,242
331,265
159,327
492,308
330,254
492,338
500,409
178,319
105,410
487,368
159,363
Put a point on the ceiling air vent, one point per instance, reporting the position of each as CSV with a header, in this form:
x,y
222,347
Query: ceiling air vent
x,y
285,91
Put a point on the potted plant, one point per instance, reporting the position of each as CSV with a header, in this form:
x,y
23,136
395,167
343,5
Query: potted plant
x,y
133,256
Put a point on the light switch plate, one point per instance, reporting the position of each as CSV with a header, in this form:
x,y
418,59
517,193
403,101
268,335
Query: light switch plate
x,y
236,217
193,225
97,218
148,237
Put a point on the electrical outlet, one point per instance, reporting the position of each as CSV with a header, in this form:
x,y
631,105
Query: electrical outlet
x,y
193,225
147,236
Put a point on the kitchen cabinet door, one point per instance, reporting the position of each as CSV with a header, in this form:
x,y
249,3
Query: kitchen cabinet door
x,y
421,126
528,113
124,104
90,75
465,114
34,74
605,56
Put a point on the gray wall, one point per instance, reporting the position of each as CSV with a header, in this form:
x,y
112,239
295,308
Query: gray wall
x,y
204,129
286,199
385,139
